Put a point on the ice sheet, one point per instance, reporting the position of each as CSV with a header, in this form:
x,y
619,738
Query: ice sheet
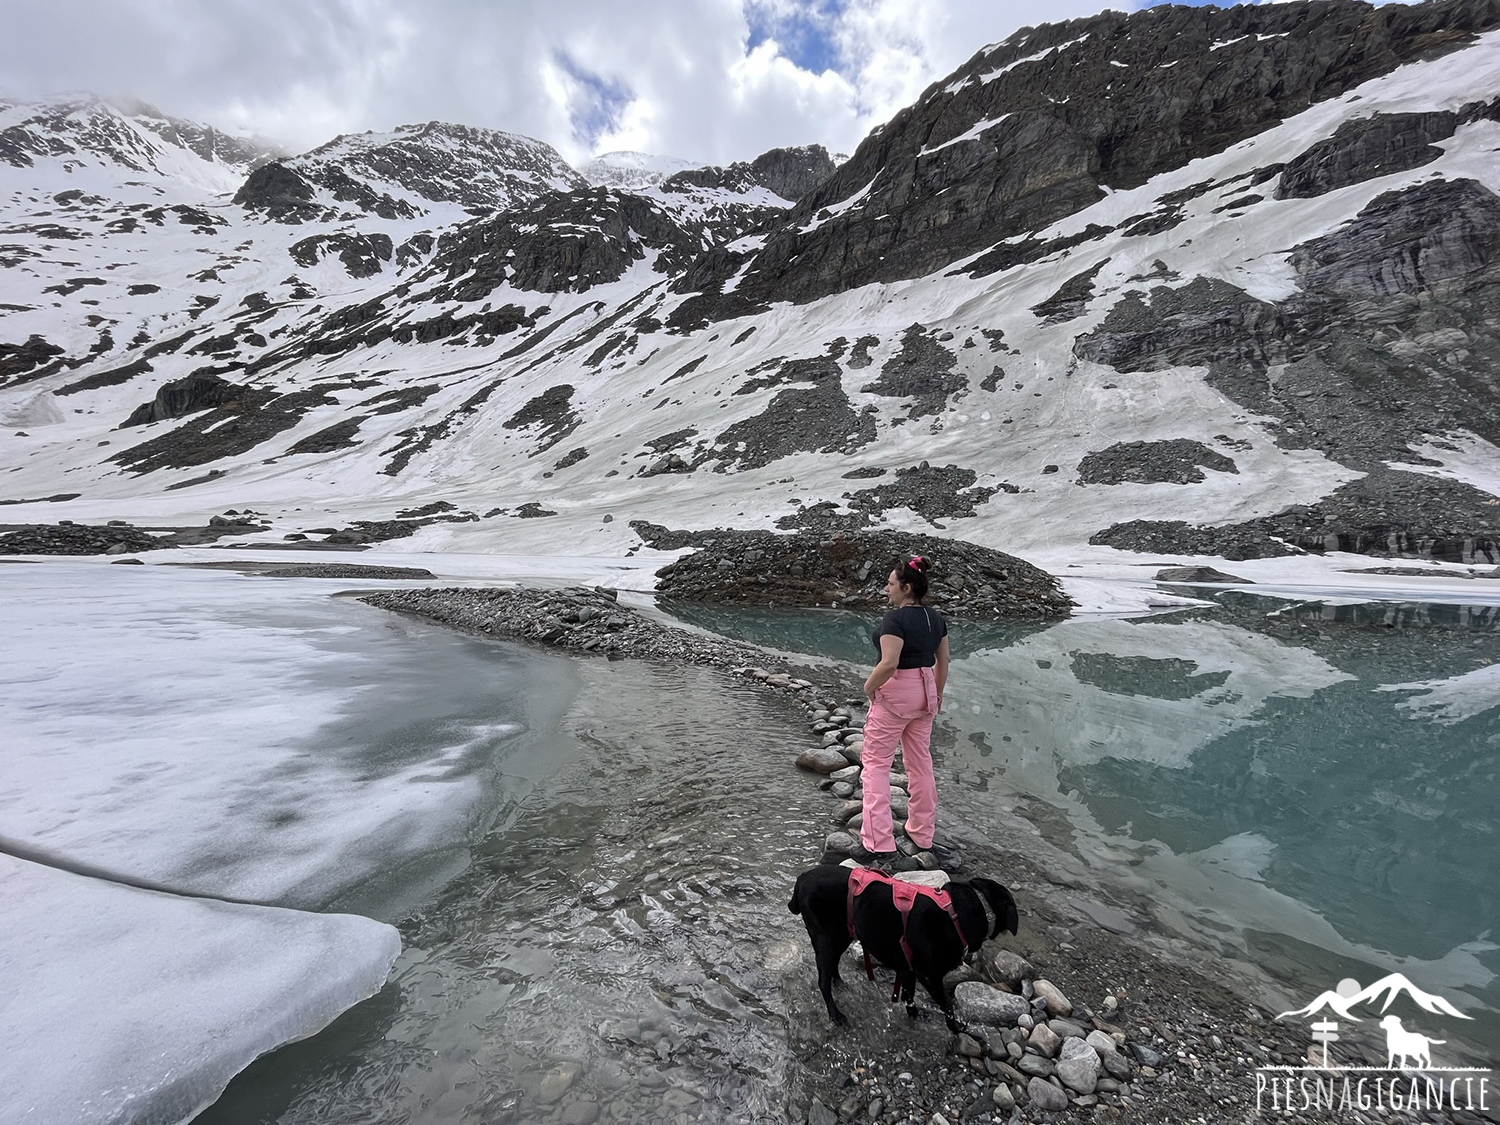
x,y
120,1005
247,737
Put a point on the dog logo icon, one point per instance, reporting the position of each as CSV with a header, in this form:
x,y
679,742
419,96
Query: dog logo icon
x,y
1406,1045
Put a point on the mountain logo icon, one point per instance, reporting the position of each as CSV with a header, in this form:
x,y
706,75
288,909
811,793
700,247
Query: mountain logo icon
x,y
1404,1048
1349,994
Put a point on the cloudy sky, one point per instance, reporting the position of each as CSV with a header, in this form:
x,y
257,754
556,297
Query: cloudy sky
x,y
708,80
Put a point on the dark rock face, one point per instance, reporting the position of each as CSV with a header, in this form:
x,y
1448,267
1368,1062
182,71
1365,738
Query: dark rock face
x,y
1031,131
1394,335
280,193
565,242
1176,461
1071,298
340,435
816,419
1203,322
810,570
1176,537
236,426
933,493
922,371
551,413
19,362
109,378
1362,150
1193,575
361,254
199,391
789,172
1388,513
1441,237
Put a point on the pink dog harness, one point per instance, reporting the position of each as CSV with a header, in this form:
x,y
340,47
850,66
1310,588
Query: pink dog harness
x,y
904,896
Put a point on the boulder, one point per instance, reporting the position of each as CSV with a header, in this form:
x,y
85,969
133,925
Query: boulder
x,y
977,1002
821,760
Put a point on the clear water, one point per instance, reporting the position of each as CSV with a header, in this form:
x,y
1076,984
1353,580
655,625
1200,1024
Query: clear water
x,y
1308,788
631,920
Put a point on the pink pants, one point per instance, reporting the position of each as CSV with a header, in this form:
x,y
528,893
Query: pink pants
x,y
902,711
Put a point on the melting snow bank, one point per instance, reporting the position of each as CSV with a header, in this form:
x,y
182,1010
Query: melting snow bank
x,y
131,1006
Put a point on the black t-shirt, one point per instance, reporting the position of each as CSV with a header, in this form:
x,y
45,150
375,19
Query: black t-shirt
x,y
920,630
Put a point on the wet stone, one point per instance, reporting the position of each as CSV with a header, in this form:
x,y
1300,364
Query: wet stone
x,y
556,1081
822,760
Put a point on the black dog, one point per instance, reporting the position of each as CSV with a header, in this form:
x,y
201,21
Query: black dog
x,y
982,906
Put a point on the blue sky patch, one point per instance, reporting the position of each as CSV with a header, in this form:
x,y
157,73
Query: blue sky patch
x,y
597,109
804,32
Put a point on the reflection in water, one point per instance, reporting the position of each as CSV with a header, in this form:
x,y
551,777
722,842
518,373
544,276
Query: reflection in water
x,y
1325,771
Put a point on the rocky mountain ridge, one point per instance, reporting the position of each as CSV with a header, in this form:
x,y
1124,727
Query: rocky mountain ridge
x,y
1188,281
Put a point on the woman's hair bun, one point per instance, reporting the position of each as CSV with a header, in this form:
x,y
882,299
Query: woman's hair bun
x,y
920,563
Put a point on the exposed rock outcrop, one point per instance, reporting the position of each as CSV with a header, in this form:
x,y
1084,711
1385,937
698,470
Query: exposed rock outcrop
x,y
201,390
1176,461
848,569
1364,149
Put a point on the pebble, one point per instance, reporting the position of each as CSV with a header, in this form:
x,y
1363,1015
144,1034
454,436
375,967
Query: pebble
x,y
1102,1043
1045,1040
1078,1068
1045,1096
556,1081
841,842
1003,1098
820,1114
1057,1004
1004,967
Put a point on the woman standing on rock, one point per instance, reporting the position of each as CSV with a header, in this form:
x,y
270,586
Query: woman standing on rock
x,y
905,692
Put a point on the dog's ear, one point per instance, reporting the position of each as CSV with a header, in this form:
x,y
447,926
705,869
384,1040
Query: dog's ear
x,y
1007,918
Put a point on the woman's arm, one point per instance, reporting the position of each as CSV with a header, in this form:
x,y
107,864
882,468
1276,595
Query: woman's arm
x,y
940,669
890,653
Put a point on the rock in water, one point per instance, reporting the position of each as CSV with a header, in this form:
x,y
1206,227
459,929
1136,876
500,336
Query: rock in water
x,y
821,760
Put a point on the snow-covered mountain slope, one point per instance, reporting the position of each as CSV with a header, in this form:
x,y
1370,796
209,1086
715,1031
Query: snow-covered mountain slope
x,y
632,170
77,133
1219,345
410,172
